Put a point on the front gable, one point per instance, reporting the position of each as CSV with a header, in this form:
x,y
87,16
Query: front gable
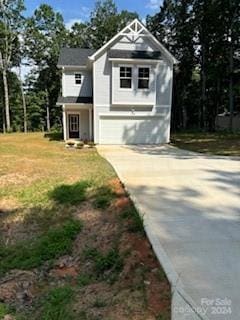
x,y
135,36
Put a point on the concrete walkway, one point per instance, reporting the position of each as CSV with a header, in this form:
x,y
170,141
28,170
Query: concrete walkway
x,y
191,206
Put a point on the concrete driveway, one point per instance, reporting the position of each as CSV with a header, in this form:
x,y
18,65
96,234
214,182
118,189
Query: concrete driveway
x,y
191,206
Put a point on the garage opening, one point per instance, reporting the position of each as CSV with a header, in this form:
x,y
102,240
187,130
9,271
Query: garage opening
x,y
132,130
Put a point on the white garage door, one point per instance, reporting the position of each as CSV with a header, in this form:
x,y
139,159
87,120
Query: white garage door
x,y
132,130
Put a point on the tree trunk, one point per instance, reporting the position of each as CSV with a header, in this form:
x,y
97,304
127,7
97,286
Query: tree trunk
x,y
23,103
48,113
6,99
231,106
3,121
203,80
24,109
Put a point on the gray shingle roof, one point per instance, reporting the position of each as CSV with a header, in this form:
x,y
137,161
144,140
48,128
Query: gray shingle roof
x,y
128,54
74,56
62,100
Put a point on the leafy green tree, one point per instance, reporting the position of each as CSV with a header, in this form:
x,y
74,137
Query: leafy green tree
x,y
45,34
11,24
78,36
105,22
15,101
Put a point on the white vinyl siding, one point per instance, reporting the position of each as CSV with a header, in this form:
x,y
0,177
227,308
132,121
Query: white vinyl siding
x,y
133,130
102,90
72,89
102,83
164,77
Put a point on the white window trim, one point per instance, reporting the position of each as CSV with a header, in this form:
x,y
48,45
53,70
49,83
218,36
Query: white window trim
x,y
152,81
132,80
82,77
150,72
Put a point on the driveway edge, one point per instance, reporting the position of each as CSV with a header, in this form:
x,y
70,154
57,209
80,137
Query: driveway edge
x,y
180,299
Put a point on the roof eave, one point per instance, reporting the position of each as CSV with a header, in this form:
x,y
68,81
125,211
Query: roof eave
x,y
135,60
71,66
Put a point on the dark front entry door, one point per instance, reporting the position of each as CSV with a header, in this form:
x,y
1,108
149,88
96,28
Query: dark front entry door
x,y
73,125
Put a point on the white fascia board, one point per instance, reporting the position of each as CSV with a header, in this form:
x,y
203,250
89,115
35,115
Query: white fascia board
x,y
87,105
136,114
71,67
132,104
146,61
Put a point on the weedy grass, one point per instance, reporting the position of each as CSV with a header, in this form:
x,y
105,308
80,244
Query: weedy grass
x,y
112,262
3,310
137,219
54,243
99,303
57,304
84,280
103,197
70,194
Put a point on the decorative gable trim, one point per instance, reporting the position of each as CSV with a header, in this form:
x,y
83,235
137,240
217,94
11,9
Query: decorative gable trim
x,y
133,31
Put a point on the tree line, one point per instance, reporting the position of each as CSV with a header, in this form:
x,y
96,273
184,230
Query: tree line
x,y
204,35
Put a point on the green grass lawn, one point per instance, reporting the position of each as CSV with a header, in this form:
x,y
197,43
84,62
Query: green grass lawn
x,y
71,239
218,143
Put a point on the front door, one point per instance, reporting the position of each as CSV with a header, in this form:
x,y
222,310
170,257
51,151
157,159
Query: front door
x,y
73,124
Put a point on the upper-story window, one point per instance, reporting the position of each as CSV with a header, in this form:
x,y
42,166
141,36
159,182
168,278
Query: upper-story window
x,y
126,77
78,78
143,78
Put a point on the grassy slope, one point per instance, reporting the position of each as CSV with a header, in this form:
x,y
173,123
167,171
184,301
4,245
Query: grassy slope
x,y
213,143
56,202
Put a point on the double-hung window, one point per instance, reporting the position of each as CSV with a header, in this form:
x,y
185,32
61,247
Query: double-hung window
x,y
126,77
78,78
143,78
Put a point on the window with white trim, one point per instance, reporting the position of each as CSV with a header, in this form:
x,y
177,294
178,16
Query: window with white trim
x,y
143,78
126,77
78,78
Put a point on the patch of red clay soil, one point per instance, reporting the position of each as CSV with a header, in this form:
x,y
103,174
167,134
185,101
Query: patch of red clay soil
x,y
64,272
158,297
117,187
157,290
140,246
122,203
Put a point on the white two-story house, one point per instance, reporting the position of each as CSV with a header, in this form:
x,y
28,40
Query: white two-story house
x,y
119,94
